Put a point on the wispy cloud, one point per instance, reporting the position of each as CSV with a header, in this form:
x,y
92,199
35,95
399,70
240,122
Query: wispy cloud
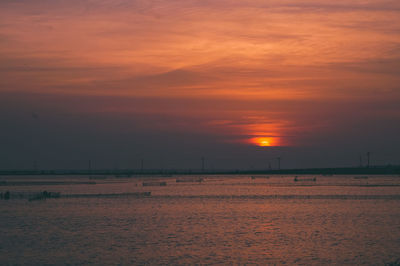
x,y
200,62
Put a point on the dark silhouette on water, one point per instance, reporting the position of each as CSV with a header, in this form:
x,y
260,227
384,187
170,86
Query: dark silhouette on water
x,y
5,196
44,195
296,179
154,184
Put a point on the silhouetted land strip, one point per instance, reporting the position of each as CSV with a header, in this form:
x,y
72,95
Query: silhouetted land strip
x,y
45,183
373,170
112,195
29,195
333,196
310,184
42,195
154,184
189,180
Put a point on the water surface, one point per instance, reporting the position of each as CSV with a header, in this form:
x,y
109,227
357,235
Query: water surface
x,y
222,220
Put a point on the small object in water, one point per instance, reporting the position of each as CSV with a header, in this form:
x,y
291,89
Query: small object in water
x,y
199,179
305,179
153,183
254,177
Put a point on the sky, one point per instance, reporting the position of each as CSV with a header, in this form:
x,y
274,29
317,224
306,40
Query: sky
x,y
239,83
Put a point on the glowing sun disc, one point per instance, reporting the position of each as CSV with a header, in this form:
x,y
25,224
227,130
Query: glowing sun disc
x,y
263,141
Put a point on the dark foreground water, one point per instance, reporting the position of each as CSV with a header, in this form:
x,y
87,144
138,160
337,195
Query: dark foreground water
x,y
222,220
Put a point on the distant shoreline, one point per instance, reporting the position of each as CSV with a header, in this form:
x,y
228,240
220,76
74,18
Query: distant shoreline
x,y
373,170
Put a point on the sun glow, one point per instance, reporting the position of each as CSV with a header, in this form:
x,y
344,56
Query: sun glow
x,y
263,141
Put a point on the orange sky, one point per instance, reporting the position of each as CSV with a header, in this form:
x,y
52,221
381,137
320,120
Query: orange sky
x,y
285,70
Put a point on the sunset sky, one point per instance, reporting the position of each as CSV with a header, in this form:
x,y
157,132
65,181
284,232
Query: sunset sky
x,y
238,82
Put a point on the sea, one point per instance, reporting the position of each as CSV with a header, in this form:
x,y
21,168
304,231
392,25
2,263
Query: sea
x,y
202,219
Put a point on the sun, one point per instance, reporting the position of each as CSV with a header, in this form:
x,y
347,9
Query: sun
x,y
263,141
